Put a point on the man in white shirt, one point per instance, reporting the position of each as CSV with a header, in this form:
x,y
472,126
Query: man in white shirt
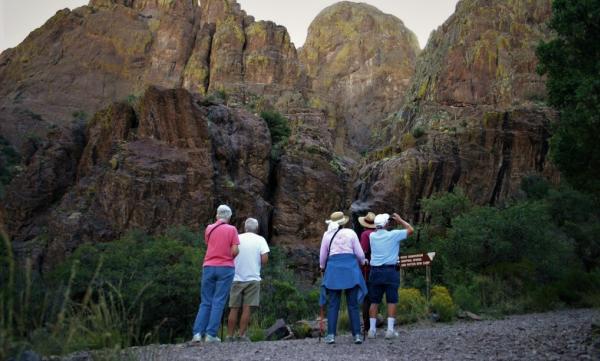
x,y
245,290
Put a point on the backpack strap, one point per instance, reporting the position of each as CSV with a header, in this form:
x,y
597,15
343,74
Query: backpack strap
x,y
211,231
330,243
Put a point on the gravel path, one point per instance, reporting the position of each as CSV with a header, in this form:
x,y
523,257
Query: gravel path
x,y
563,335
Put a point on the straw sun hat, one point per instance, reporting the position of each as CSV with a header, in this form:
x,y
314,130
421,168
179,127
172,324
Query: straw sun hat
x,y
338,217
367,221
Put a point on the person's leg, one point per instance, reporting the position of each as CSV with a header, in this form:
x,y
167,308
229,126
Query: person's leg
x,y
224,277
365,311
245,320
232,320
353,313
207,289
235,302
333,308
391,296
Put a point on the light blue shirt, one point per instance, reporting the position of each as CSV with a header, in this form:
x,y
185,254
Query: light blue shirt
x,y
385,246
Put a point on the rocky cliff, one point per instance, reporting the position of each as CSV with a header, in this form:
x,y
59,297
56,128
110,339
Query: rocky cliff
x,y
359,61
117,129
167,161
474,115
82,60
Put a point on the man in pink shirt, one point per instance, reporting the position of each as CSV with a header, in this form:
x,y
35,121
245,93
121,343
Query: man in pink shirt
x,y
217,274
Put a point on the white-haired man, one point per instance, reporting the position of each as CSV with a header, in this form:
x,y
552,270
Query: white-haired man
x,y
217,274
245,290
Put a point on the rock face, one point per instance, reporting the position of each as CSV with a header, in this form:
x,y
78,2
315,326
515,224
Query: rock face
x,y
473,116
112,108
360,61
310,183
168,161
79,61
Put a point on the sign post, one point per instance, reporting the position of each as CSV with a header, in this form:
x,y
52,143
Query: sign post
x,y
418,260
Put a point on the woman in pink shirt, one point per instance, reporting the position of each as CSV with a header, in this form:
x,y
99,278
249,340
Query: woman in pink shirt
x,y
339,259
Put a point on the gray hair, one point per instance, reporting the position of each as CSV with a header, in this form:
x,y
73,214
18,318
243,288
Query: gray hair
x,y
251,225
224,212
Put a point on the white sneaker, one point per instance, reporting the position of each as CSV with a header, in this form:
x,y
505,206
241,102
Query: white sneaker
x,y
391,334
371,333
197,338
210,339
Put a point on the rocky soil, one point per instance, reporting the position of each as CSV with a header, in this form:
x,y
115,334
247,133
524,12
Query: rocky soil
x,y
563,335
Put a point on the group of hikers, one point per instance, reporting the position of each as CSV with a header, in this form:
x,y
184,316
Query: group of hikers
x,y
360,267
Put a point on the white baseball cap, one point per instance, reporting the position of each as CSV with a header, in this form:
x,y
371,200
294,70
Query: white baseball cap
x,y
381,220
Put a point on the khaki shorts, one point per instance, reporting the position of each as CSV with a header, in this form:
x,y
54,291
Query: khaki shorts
x,y
244,293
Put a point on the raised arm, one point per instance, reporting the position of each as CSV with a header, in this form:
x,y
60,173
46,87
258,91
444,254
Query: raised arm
x,y
404,223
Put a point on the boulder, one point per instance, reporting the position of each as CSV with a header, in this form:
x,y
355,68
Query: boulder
x,y
279,331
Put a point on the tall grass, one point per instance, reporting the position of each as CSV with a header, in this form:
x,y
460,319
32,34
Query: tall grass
x,y
49,322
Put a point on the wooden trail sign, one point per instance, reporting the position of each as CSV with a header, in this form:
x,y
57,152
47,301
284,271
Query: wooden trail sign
x,y
416,260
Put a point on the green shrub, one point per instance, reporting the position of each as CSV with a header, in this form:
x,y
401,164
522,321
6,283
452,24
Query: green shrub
x,y
535,187
467,298
278,126
442,304
412,306
418,132
160,273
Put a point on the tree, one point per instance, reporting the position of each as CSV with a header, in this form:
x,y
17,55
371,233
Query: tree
x,y
572,63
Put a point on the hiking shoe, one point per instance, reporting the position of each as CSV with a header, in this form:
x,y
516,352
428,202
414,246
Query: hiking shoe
x,y
244,339
391,334
329,339
372,333
210,338
230,339
197,338
358,339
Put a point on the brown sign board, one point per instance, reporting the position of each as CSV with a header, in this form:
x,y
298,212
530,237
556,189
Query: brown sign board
x,y
416,260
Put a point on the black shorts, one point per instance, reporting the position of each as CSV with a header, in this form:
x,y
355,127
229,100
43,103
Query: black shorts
x,y
384,279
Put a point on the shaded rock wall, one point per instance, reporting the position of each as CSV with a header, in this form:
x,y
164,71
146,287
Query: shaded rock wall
x,y
168,161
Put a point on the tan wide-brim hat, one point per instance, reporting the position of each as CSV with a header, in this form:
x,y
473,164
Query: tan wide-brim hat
x,y
367,221
338,217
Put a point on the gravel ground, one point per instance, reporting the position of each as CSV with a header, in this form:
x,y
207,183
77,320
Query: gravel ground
x,y
563,335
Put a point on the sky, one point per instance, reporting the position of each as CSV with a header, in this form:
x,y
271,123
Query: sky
x,y
19,17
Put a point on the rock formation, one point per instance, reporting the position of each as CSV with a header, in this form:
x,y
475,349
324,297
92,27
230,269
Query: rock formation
x,y
168,161
119,128
359,62
79,61
473,116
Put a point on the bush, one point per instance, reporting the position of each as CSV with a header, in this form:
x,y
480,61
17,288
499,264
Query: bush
x,y
441,303
278,126
280,295
160,274
467,298
412,306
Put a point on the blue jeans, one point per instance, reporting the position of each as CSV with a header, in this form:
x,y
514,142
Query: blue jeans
x,y
214,289
333,308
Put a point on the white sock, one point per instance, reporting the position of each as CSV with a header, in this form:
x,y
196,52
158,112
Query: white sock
x,y
391,321
372,323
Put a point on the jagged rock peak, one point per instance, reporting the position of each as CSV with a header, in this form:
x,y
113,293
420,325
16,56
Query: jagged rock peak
x,y
484,54
362,60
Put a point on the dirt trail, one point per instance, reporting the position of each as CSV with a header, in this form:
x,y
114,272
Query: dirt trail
x,y
563,335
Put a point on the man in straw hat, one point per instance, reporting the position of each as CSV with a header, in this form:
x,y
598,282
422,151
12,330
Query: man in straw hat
x,y
384,277
340,251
